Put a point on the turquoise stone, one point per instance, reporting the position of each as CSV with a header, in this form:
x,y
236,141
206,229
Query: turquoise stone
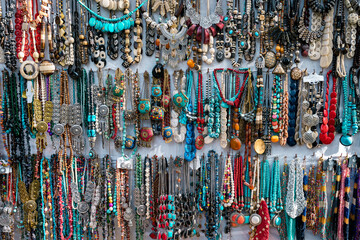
x,y
278,221
127,24
121,26
98,25
105,27
346,140
111,27
242,43
256,34
231,32
116,29
226,18
92,22
170,234
132,23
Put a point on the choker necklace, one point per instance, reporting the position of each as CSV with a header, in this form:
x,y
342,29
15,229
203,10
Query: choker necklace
x,y
206,26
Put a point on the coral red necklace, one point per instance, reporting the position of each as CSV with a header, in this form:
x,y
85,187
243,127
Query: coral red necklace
x,y
236,101
328,126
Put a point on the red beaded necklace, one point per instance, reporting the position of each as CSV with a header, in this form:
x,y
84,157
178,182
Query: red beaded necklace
x,y
238,182
328,122
236,102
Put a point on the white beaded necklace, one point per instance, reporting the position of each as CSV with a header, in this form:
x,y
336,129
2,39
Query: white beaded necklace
x,y
327,41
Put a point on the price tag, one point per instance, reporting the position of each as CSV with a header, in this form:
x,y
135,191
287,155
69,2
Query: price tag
x,y
119,162
313,78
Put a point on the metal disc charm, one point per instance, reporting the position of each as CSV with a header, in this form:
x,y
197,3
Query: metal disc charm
x,y
103,110
42,127
30,206
141,210
76,130
83,207
58,129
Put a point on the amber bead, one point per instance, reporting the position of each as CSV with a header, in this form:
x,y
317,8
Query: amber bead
x,y
191,63
274,138
157,42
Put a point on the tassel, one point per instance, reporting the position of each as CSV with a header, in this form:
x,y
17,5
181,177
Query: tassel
x,y
262,230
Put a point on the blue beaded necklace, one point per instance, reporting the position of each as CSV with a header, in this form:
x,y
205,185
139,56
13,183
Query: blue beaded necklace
x,y
190,149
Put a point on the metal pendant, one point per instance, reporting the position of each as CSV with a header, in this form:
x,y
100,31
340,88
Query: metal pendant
x,y
255,219
83,207
128,214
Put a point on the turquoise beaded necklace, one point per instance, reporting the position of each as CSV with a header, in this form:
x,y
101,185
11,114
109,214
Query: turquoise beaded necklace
x,y
111,24
265,180
214,114
276,205
346,139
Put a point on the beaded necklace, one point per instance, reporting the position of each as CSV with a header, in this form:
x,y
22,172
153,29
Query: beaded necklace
x,y
238,204
343,211
276,203
323,202
328,122
228,192
199,142
275,112
190,149
313,200
283,216
332,221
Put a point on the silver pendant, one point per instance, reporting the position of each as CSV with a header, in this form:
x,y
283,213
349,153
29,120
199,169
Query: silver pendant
x,y
141,210
58,129
128,214
255,219
89,191
103,110
83,207
75,192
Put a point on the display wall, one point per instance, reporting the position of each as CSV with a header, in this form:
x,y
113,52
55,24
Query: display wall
x,y
159,147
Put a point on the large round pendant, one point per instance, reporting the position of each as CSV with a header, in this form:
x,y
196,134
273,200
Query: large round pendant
x,y
235,143
259,146
199,142
270,59
29,70
296,73
346,140
255,219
